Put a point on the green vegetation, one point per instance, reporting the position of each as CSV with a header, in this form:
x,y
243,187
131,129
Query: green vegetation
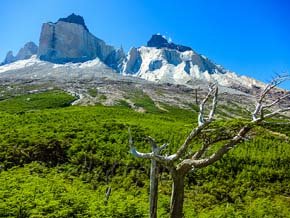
x,y
93,92
142,100
58,161
29,102
103,97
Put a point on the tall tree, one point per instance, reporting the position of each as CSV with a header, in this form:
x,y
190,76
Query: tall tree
x,y
182,161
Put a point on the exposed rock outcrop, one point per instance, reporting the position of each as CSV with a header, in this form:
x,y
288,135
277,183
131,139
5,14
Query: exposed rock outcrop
x,y
73,18
9,58
159,41
165,62
166,58
24,53
133,62
68,40
27,51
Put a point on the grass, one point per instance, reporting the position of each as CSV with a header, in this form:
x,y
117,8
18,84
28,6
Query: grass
x,y
30,102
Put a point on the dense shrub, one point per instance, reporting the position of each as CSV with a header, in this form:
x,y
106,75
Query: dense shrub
x,y
58,162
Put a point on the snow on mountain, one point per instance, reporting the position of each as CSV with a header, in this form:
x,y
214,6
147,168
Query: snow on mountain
x,y
157,65
165,62
161,61
28,50
20,64
96,63
34,68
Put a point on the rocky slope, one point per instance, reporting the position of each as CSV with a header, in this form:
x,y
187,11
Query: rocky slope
x,y
93,82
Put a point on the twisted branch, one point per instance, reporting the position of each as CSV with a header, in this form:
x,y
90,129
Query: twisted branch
x,y
195,162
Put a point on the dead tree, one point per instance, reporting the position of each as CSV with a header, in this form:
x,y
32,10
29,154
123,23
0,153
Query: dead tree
x,y
154,172
182,162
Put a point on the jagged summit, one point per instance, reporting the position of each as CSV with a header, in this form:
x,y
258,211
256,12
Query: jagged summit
x,y
29,49
9,58
73,18
159,41
68,41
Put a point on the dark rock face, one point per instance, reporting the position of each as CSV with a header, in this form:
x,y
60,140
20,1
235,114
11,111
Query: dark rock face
x,y
155,65
68,40
73,18
172,56
115,59
159,41
187,67
26,52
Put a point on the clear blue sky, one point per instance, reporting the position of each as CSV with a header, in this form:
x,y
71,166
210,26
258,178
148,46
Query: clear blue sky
x,y
247,36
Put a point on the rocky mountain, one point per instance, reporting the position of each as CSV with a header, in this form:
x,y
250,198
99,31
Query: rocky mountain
x,y
9,58
73,18
159,41
24,53
69,40
93,82
27,51
165,62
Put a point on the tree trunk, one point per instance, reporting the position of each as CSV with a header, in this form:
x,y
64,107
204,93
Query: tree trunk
x,y
177,196
153,189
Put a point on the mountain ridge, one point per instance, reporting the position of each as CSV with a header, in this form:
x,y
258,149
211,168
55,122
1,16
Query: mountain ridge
x,y
69,41
29,49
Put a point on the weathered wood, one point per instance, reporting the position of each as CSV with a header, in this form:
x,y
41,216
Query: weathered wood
x,y
153,197
177,196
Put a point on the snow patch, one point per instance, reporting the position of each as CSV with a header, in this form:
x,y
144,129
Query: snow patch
x,y
20,64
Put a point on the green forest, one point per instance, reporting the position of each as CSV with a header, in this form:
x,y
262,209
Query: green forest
x,y
58,160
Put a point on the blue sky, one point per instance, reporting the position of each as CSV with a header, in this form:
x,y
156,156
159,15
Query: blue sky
x,y
249,37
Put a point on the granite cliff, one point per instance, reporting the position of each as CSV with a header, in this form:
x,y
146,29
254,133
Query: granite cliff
x,y
69,40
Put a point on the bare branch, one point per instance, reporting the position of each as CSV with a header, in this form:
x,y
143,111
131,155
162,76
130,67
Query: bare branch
x,y
188,164
152,142
201,151
162,147
213,91
276,101
202,123
195,162
207,146
276,112
154,155
214,103
260,106
135,152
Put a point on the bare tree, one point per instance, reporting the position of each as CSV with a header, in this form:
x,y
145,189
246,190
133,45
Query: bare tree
x,y
182,162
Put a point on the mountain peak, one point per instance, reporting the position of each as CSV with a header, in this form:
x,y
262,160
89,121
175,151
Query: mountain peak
x,y
29,49
73,18
62,42
159,41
